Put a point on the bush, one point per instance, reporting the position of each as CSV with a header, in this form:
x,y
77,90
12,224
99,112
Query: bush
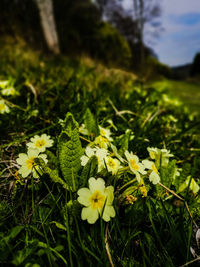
x,y
195,68
111,47
153,69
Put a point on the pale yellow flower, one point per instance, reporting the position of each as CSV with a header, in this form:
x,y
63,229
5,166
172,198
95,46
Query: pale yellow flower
x,y
154,176
165,155
9,91
135,166
113,165
153,152
27,162
104,139
97,200
100,153
3,107
83,130
105,133
89,152
40,142
194,187
3,84
101,141
160,155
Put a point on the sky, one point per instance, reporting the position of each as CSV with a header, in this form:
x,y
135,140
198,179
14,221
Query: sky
x,y
179,40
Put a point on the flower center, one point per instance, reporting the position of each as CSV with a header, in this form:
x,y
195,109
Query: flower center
x,y
11,91
2,107
102,141
102,132
134,165
29,163
40,143
97,200
111,163
152,155
154,169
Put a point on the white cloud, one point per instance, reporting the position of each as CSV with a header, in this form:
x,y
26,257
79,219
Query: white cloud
x,y
179,7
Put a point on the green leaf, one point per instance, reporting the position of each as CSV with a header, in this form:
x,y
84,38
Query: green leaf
x,y
23,254
52,159
168,173
5,241
53,174
13,233
91,123
70,151
45,246
186,171
124,142
59,225
89,170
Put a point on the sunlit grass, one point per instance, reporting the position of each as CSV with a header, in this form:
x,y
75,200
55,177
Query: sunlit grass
x,y
187,92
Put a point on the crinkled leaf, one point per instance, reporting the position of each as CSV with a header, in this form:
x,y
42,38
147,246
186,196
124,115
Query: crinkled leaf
x,y
91,123
70,151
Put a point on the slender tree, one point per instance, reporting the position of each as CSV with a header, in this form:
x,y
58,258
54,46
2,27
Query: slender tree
x,y
145,11
131,23
48,24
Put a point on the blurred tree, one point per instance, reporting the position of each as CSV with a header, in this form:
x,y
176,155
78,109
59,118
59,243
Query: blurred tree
x,y
48,24
111,46
77,24
145,11
21,19
81,30
131,23
195,68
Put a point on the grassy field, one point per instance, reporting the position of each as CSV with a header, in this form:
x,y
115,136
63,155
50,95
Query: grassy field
x,y
91,121
187,92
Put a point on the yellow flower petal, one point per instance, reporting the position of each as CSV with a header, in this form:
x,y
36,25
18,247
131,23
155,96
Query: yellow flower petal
x,y
95,184
108,212
24,171
22,158
89,214
84,196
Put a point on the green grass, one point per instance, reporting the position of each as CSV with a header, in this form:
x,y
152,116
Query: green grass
x,y
40,221
187,92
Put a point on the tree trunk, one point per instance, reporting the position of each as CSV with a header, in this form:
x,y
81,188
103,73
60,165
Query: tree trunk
x,y
141,33
48,24
139,13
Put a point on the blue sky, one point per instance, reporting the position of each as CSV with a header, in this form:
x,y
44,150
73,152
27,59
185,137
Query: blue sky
x,y
180,39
